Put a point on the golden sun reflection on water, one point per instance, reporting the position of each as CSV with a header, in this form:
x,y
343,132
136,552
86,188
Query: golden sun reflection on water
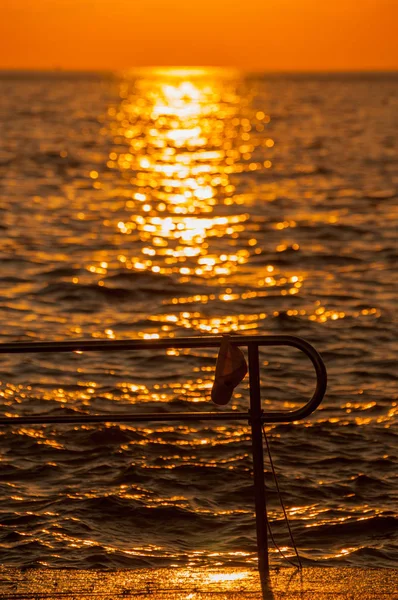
x,y
194,201
177,143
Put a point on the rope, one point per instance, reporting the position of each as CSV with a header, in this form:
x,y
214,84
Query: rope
x,y
299,566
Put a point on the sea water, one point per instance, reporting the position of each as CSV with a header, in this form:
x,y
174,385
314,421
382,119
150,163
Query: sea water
x,y
182,203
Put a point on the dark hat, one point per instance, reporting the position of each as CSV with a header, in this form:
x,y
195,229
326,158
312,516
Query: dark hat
x,y
231,368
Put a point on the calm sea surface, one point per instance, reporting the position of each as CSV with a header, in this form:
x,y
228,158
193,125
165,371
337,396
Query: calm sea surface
x,y
162,204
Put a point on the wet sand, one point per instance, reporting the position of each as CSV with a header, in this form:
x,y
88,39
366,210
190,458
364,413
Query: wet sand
x,y
199,584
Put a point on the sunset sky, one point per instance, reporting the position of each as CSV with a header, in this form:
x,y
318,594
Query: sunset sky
x,y
293,35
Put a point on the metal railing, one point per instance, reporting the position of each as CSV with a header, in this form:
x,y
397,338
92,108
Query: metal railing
x,y
255,415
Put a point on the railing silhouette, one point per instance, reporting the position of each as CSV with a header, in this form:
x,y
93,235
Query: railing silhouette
x,y
255,415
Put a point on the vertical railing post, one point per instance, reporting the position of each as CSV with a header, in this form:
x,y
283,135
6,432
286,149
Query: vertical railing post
x,y
258,459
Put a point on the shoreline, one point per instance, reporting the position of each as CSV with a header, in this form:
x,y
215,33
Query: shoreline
x,y
313,583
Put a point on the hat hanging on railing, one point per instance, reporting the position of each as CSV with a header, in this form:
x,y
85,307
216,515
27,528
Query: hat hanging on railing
x,y
231,368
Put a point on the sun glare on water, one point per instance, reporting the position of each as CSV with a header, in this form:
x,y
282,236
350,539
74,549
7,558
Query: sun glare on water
x,y
179,144
181,139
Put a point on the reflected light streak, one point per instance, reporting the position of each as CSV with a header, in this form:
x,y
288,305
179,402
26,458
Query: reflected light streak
x,y
177,143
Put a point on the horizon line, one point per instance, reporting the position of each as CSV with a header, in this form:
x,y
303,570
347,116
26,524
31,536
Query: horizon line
x,y
181,70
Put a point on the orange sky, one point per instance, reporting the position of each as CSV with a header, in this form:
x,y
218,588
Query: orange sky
x,y
252,34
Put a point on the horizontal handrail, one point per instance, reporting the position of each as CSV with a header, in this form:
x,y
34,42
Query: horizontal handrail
x,y
177,343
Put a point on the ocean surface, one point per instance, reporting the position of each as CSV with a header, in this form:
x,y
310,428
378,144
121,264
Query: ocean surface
x,y
182,203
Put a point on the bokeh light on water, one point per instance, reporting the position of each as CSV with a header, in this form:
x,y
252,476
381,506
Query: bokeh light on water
x,y
178,143
182,203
